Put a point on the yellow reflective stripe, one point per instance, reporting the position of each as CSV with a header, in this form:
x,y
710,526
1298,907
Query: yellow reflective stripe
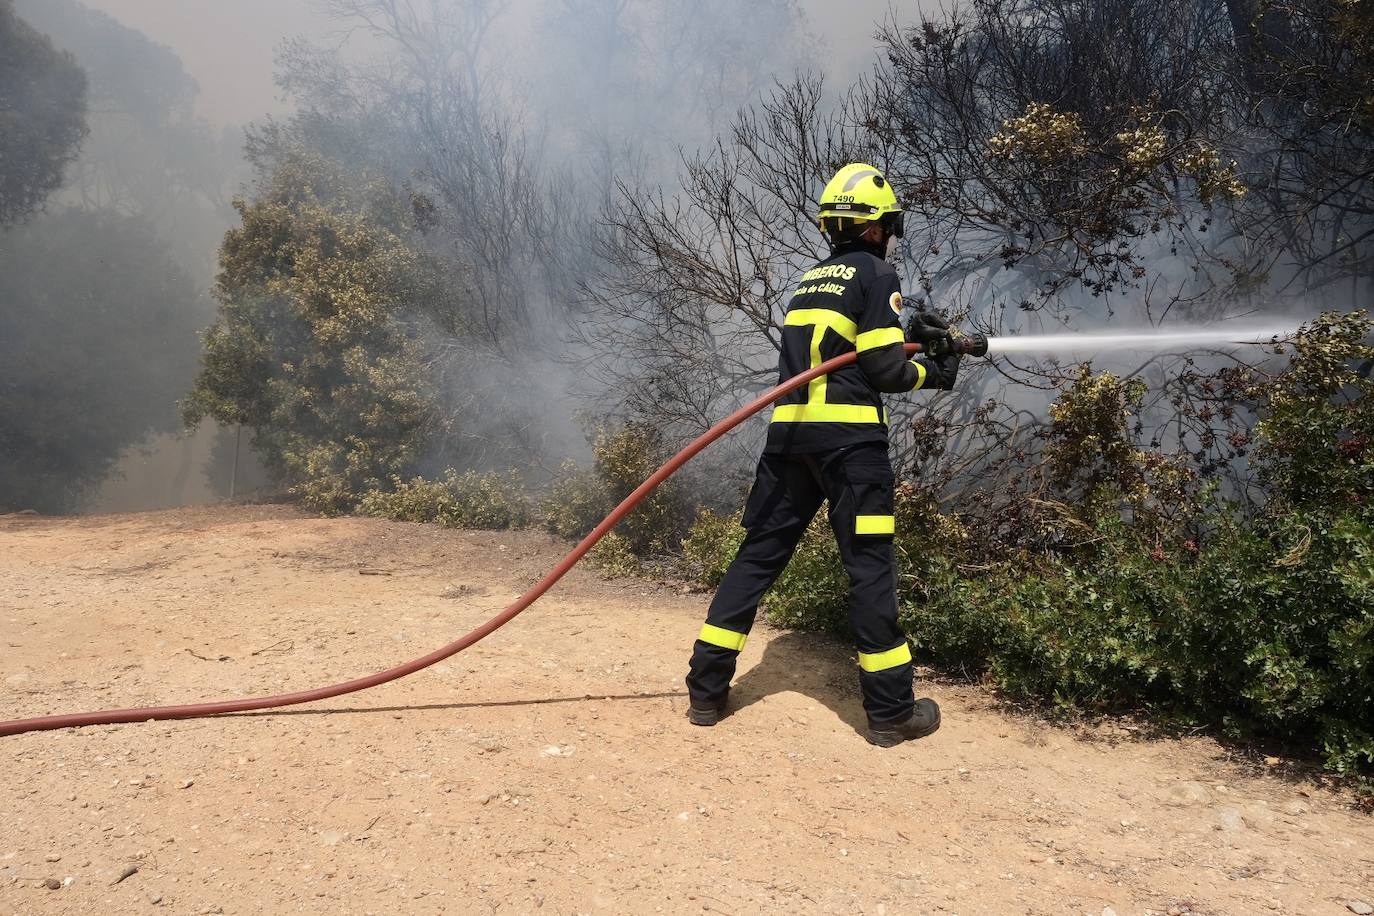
x,y
881,661
726,639
874,524
825,413
882,337
816,410
826,318
920,374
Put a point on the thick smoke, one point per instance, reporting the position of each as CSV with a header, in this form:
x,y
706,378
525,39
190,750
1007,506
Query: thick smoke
x,y
577,99
515,130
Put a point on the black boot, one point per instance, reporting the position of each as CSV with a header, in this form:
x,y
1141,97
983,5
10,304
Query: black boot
x,y
704,713
925,719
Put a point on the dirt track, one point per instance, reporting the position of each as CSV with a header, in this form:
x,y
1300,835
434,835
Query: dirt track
x,y
551,769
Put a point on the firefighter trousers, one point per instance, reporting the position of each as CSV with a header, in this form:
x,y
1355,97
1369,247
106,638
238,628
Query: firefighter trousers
x,y
788,490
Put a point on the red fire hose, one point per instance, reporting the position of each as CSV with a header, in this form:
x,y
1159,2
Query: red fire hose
x,y
199,710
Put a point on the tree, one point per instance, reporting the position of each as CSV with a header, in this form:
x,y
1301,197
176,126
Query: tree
x,y
147,153
1310,65
42,115
97,340
322,339
693,286
1052,148
1062,164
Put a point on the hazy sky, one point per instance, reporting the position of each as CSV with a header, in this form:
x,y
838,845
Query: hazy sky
x,y
228,45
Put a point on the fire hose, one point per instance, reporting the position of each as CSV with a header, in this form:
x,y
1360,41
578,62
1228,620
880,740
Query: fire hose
x,y
975,345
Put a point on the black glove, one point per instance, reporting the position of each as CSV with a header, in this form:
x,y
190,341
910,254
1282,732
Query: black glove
x,y
947,364
930,331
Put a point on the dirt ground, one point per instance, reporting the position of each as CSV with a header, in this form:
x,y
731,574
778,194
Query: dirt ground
x,y
551,768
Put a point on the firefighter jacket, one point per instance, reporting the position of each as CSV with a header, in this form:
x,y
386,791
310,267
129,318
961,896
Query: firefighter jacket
x,y
850,301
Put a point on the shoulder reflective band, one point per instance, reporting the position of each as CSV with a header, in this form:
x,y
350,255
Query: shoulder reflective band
x,y
920,375
882,337
881,661
726,639
874,524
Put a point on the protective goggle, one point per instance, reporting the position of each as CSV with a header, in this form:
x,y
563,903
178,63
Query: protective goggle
x,y
894,222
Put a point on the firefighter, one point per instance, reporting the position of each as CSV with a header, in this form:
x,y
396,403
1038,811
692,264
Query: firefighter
x,y
828,442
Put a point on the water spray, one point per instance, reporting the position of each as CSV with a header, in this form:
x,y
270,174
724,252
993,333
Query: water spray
x,y
967,344
1139,341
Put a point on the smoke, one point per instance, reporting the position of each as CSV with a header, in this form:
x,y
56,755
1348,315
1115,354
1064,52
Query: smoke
x,y
544,111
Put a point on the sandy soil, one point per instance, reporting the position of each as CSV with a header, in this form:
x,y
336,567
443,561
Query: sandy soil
x,y
551,768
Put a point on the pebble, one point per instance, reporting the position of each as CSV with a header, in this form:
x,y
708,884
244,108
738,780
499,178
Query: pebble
x,y
1108,911
187,783
1229,819
125,872
52,857
51,884
154,898
1360,908
333,837
1188,793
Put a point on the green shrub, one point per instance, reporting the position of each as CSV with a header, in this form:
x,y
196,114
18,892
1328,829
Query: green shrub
x,y
711,543
1266,630
575,504
1316,442
614,557
580,499
468,500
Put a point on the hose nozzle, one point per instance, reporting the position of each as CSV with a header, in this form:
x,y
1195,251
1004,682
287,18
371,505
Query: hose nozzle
x,y
971,344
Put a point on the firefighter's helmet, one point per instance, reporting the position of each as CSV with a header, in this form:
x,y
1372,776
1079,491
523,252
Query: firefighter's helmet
x,y
857,195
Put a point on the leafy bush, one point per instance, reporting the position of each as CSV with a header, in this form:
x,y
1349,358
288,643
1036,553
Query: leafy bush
x,y
711,543
469,500
1316,443
624,459
613,556
576,502
319,343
